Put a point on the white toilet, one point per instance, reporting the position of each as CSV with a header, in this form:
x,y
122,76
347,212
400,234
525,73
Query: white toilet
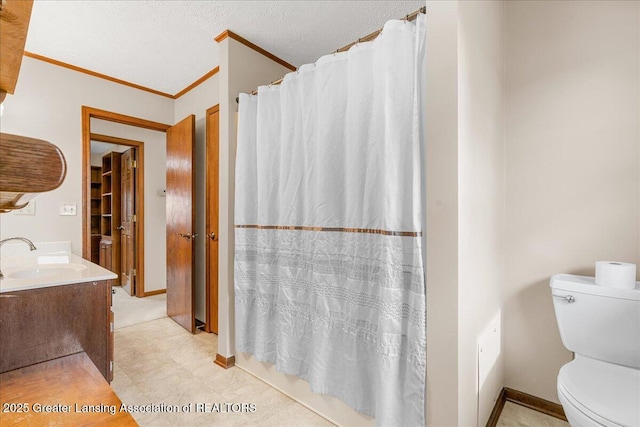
x,y
601,325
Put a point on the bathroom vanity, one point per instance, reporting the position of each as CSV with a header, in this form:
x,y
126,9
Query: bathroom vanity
x,y
54,305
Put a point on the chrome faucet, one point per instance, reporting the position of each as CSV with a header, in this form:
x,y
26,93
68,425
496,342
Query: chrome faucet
x,y
32,247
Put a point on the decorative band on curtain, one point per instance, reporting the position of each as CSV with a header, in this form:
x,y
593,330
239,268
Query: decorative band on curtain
x,y
329,251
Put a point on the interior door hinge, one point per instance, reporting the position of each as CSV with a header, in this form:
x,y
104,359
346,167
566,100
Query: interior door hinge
x,y
134,164
134,218
133,271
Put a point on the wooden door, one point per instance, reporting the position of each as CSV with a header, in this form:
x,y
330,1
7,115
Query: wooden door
x,y
212,132
181,223
128,221
106,258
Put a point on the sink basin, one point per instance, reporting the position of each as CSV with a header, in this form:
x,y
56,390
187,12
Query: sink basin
x,y
44,271
56,267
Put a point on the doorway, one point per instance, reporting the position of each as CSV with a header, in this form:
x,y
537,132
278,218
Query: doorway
x,y
179,205
116,203
89,114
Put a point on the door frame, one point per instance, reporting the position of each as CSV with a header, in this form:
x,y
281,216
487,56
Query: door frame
x,y
139,203
87,114
211,292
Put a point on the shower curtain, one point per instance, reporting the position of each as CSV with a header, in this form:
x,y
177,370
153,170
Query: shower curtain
x,y
329,262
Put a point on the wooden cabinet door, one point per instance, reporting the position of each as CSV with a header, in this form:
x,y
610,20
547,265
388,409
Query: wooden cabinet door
x,y
42,324
181,223
103,255
106,255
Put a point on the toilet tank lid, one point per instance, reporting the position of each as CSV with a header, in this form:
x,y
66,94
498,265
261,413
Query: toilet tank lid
x,y
587,285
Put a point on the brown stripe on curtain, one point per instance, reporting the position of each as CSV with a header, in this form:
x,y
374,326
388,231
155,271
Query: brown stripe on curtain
x,y
334,229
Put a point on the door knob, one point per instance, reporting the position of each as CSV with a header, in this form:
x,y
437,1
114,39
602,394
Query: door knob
x,y
212,235
120,227
190,236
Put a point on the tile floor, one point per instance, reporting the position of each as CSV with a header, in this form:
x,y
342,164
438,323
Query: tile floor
x,y
514,415
129,310
158,362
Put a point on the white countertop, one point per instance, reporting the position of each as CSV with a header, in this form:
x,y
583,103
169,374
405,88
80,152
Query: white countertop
x,y
41,270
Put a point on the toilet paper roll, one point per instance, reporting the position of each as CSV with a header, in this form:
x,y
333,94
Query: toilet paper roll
x,y
616,274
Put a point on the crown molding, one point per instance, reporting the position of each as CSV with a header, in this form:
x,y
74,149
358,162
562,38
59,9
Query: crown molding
x,y
202,79
94,74
230,34
52,61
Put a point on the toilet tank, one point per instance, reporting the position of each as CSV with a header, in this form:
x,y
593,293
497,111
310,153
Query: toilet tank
x,y
596,321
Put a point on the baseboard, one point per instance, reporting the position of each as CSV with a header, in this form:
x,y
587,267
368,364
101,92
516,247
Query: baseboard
x,y
225,362
158,292
535,403
497,409
532,402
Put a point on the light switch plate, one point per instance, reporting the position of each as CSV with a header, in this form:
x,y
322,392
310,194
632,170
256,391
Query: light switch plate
x,y
67,209
30,209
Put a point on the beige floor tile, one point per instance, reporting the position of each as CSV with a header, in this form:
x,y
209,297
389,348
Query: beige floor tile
x,y
290,413
202,368
152,420
159,362
514,415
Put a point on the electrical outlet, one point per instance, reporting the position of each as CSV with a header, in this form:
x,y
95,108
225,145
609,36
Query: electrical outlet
x,y
67,209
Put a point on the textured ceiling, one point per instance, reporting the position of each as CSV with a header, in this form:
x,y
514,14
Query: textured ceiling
x,y
167,45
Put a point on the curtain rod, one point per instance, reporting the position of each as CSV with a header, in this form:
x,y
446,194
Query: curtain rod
x,y
410,17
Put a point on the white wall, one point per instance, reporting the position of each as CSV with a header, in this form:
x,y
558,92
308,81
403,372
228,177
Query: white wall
x,y
96,159
441,160
155,161
47,105
481,192
197,101
572,165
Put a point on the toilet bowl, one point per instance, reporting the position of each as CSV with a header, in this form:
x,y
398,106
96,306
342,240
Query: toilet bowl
x,y
596,393
601,386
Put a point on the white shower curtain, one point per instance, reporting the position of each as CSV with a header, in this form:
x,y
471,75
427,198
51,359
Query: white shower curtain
x,y
329,271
